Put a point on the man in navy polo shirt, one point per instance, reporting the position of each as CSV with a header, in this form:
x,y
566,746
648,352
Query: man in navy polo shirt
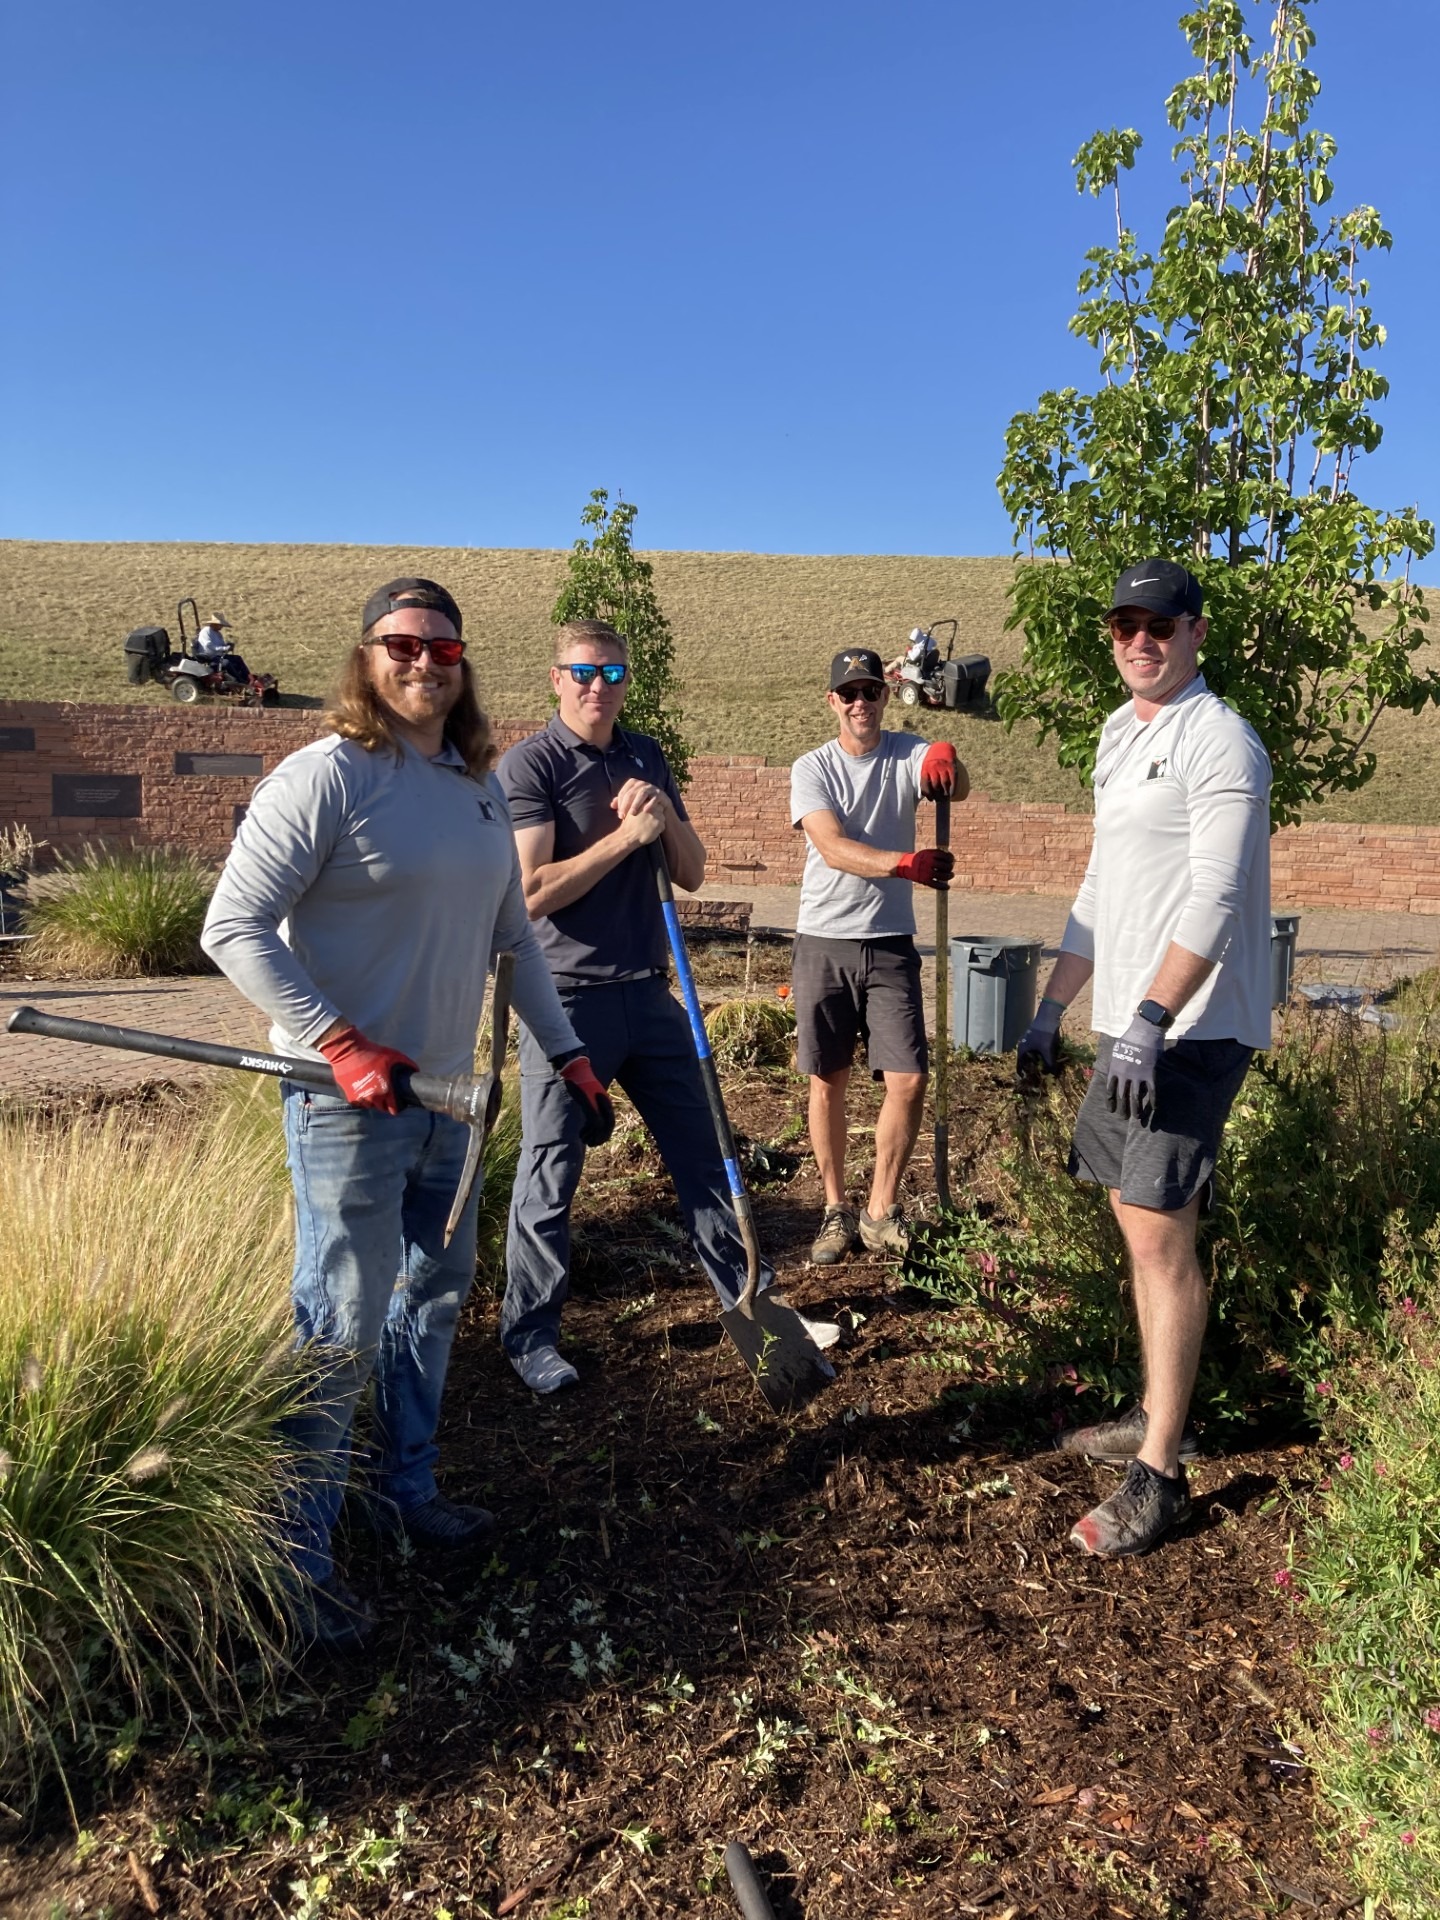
x,y
587,798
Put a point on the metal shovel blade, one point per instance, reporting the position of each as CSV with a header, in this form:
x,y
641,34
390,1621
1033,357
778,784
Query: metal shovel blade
x,y
781,1358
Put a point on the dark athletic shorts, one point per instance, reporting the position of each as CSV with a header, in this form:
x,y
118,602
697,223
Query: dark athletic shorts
x,y
1167,1161
848,990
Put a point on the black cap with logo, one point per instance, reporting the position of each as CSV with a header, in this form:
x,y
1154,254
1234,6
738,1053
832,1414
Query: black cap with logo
x,y
1159,586
409,593
855,663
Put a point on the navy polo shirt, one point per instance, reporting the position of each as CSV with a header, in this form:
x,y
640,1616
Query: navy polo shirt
x,y
615,931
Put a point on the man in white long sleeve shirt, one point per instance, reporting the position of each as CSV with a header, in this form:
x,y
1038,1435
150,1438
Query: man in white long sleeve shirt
x,y
1173,920
371,882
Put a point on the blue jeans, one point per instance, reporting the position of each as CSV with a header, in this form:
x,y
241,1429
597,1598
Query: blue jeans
x,y
636,1033
375,1292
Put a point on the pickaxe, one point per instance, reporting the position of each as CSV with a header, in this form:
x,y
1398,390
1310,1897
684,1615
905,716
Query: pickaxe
x,y
475,1100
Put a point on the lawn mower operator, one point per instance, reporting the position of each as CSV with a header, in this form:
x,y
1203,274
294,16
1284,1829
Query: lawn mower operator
x,y
856,971
1173,920
370,884
588,798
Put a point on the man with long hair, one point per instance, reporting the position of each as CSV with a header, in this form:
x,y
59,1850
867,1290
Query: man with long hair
x,y
370,884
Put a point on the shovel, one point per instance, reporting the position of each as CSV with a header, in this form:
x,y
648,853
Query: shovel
x,y
784,1362
473,1101
942,1016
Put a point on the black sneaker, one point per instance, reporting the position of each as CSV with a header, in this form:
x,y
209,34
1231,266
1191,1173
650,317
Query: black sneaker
x,y
439,1525
327,1617
1144,1510
1120,1439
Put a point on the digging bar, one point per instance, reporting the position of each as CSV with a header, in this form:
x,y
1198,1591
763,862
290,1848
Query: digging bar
x,y
769,1336
942,1016
465,1098
749,1889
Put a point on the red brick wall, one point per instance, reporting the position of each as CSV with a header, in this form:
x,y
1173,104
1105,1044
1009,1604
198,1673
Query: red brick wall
x,y
740,806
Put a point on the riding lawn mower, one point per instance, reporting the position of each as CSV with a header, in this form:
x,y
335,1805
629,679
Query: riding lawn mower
x,y
921,678
148,657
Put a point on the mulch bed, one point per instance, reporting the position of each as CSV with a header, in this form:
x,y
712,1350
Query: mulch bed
x,y
857,1642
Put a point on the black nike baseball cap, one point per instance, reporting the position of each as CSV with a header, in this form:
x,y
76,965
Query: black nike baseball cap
x,y
1159,586
409,593
855,663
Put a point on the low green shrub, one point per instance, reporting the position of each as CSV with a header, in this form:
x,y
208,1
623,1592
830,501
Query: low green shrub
x,y
1370,1571
751,1033
146,1358
1331,1163
119,914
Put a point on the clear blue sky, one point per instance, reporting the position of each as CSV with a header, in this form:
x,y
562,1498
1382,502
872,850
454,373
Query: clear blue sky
x,y
427,273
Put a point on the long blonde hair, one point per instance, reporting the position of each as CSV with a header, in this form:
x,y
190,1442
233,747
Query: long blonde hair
x,y
356,712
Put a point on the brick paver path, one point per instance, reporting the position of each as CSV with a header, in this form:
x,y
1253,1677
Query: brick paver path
x,y
1364,949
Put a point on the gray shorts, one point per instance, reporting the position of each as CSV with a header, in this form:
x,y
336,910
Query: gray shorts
x,y
1165,1162
847,990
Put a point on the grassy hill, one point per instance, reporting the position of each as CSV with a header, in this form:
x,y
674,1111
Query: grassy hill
x,y
755,633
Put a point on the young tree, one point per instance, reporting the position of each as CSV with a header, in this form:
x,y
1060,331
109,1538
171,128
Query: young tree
x,y
605,579
1236,398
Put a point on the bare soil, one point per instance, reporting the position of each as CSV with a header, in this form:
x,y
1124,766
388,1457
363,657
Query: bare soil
x,y
856,1641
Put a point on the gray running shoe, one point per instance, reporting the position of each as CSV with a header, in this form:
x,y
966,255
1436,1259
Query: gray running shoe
x,y
888,1234
835,1238
1144,1510
543,1371
1120,1439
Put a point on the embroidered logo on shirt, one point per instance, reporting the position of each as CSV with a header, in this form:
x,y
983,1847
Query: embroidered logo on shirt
x,y
1158,767
487,809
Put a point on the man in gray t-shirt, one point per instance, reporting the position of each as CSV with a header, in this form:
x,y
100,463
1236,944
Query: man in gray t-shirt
x,y
856,970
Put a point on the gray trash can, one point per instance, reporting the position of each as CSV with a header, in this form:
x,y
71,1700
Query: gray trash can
x,y
1284,930
993,996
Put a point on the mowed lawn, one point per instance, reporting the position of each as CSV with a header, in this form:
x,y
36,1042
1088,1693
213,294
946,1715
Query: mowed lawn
x,y
754,635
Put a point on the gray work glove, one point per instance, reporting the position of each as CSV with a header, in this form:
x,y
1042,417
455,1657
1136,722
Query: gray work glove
x,y
1039,1048
1134,1058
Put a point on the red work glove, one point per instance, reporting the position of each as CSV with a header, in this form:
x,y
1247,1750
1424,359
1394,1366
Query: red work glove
x,y
597,1121
363,1069
938,771
930,867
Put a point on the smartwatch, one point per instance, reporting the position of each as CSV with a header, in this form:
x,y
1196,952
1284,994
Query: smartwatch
x,y
1157,1015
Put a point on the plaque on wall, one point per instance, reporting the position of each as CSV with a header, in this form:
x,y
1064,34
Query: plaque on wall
x,y
215,763
100,796
17,739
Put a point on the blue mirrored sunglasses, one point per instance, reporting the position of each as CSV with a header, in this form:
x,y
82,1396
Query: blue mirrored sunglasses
x,y
584,671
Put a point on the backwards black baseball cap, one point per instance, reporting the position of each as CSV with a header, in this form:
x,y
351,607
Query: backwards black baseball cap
x,y
856,663
1159,586
409,593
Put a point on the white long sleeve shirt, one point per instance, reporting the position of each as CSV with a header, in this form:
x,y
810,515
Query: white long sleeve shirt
x,y
1181,854
375,891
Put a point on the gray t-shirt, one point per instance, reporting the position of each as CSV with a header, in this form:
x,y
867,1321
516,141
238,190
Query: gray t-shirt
x,y
874,796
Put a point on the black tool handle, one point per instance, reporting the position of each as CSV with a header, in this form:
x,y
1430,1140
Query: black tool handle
x,y
710,1079
749,1891
942,1016
416,1089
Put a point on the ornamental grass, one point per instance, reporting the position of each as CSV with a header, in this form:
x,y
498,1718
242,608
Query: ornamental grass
x,y
145,1364
119,914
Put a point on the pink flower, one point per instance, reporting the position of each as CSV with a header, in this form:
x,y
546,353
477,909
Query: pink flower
x,y
1325,1484
1432,1719
1377,1736
1407,1306
1283,1577
1346,1461
1407,1839
1380,1469
1323,1388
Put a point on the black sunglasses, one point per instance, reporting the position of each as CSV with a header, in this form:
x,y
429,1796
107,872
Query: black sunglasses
x,y
582,672
868,692
1125,626
402,648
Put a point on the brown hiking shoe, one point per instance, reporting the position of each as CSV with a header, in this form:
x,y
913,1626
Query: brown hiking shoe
x,y
1144,1510
1120,1439
888,1234
835,1238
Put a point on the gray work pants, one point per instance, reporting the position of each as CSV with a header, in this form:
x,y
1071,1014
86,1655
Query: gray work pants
x,y
636,1033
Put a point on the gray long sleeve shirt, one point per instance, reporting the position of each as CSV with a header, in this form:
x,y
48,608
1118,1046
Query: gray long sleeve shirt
x,y
376,892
